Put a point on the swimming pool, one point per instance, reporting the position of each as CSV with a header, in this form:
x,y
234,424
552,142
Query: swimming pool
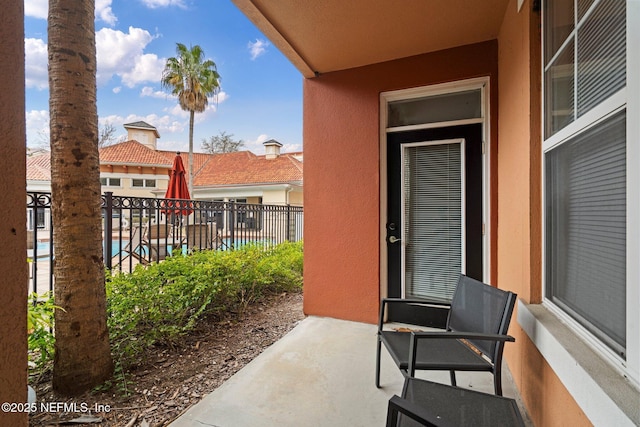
x,y
44,248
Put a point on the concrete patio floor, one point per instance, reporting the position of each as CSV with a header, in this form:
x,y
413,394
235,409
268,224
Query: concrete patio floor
x,y
319,374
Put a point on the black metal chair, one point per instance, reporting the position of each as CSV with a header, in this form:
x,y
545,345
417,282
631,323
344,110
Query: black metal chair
x,y
476,330
425,403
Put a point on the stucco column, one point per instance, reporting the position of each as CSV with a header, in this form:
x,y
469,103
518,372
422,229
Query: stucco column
x,y
13,239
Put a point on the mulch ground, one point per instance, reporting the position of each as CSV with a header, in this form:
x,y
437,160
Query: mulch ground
x,y
173,379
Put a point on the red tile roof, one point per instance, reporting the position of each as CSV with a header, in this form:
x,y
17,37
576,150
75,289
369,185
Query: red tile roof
x,y
210,170
245,168
39,167
133,153
199,159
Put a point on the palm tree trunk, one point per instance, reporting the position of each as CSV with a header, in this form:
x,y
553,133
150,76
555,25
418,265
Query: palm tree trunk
x,y
82,352
191,115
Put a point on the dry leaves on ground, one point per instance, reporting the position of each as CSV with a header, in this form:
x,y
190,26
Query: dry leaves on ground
x,y
174,379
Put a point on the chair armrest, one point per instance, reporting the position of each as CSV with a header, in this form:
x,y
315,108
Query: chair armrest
x,y
415,336
398,404
461,335
404,301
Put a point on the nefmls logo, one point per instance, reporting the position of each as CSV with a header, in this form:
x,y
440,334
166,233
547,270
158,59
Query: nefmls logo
x,y
64,407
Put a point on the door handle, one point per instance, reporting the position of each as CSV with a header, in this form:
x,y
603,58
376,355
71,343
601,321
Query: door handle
x,y
393,239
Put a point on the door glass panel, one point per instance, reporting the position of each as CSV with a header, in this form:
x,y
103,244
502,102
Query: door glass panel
x,y
435,109
432,226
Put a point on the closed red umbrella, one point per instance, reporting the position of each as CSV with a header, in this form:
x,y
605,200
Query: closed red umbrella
x,y
178,189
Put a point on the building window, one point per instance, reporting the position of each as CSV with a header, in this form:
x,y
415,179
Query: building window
x,y
110,182
586,229
149,183
40,222
585,158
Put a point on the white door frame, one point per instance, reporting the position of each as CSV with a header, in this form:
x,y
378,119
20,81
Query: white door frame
x,y
481,83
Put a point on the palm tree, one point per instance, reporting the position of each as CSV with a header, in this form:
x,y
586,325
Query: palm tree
x,y
82,353
193,80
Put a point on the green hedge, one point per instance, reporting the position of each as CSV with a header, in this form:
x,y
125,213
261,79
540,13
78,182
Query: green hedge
x,y
161,302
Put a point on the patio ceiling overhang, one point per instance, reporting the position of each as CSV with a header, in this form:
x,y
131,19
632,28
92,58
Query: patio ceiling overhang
x,y
331,35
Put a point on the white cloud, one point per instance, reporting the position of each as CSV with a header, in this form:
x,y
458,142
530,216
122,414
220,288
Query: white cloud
x,y
104,12
150,92
40,8
148,68
291,148
261,138
164,124
37,126
172,145
122,54
255,145
154,4
36,74
221,97
117,89
177,111
257,48
36,8
212,108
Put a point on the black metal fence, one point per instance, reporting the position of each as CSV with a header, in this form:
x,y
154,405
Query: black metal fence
x,y
140,230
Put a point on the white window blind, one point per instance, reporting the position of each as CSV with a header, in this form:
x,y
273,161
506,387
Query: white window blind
x,y
586,229
601,55
432,219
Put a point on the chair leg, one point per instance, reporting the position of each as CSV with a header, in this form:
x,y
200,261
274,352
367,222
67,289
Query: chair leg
x,y
378,363
497,382
392,415
453,377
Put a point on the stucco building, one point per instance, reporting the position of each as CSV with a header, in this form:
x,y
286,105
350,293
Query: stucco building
x,y
136,168
530,108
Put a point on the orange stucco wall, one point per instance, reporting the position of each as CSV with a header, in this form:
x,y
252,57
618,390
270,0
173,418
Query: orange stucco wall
x,y
342,173
13,235
519,211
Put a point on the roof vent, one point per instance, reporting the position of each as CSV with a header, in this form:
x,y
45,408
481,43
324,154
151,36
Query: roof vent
x,y
272,149
144,133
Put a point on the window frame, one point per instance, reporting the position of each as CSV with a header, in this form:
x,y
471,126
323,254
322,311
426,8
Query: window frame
x,y
621,100
108,180
145,183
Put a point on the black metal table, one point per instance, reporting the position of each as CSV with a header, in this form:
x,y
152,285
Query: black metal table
x,y
431,404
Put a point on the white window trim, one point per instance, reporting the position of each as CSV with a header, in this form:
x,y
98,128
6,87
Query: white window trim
x,y
633,190
593,117
606,397
604,386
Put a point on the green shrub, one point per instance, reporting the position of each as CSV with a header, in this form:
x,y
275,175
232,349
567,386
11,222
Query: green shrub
x,y
161,302
40,339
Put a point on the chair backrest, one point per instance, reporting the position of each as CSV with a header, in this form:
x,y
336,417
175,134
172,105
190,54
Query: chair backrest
x,y
159,231
202,236
136,237
478,307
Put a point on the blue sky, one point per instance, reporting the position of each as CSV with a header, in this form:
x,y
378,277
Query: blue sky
x,y
261,92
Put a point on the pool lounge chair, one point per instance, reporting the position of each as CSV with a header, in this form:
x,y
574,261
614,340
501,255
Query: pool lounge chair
x,y
136,248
